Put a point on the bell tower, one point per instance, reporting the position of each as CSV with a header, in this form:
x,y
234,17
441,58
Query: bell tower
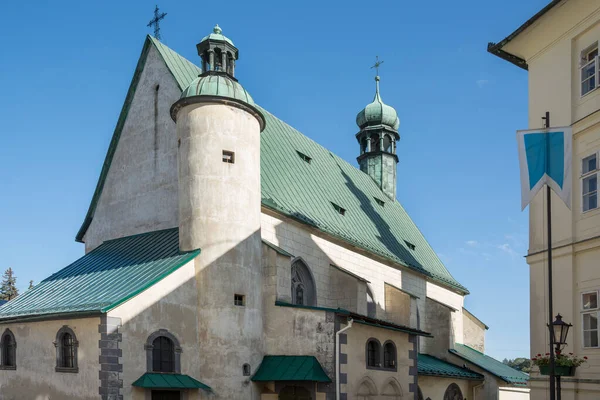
x,y
378,137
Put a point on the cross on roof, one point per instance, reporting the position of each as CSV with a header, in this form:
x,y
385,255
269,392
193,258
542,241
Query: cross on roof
x,y
377,64
155,22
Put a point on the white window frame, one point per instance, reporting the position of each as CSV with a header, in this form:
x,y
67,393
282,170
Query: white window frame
x,y
583,176
584,63
590,311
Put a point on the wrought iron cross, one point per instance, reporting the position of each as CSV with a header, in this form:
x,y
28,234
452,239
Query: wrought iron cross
x,y
377,64
155,22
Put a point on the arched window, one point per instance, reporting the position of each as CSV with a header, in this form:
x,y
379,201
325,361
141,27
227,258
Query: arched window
x,y
387,143
163,353
392,389
375,143
371,305
453,392
303,286
363,145
366,390
389,355
373,353
8,350
66,350
420,393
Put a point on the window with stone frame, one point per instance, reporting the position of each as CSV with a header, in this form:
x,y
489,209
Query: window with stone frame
x,y
590,313
163,352
453,392
389,355
8,350
66,345
589,182
303,285
373,354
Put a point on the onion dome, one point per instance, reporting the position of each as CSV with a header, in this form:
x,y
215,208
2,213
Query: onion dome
x,y
217,85
217,35
378,113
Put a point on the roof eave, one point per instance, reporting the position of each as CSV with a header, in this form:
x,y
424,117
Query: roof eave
x,y
496,48
50,316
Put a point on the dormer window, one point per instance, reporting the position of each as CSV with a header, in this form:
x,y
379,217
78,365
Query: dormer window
x,y
589,69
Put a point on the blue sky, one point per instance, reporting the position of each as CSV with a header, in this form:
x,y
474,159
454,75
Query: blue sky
x,y
66,66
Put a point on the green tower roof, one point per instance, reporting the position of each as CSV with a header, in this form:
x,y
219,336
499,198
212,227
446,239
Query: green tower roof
x,y
378,113
217,34
219,85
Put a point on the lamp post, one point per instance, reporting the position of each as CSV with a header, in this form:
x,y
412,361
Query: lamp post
x,y
560,330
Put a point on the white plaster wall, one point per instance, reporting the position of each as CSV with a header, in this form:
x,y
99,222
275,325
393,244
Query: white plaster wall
x,y
219,213
473,332
140,192
320,252
35,377
171,304
506,393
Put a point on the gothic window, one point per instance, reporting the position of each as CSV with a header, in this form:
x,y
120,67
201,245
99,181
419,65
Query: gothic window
x,y
392,390
453,392
373,354
389,355
371,305
163,353
66,345
8,359
366,390
303,286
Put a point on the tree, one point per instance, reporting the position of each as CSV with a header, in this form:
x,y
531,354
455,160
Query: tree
x,y
520,363
30,284
8,286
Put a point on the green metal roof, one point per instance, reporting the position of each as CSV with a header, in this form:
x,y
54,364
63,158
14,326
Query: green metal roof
x,y
306,191
152,380
432,366
105,277
290,368
217,34
490,364
377,112
219,85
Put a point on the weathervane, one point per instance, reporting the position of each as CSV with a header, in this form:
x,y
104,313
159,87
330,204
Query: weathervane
x,y
155,22
377,64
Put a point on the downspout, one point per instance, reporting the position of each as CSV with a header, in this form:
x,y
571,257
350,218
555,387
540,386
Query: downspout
x,y
475,389
337,358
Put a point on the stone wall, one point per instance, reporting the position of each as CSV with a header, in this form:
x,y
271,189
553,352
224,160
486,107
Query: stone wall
x,y
140,192
473,332
35,376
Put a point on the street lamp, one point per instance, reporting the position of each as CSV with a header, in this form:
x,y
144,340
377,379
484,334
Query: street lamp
x,y
560,329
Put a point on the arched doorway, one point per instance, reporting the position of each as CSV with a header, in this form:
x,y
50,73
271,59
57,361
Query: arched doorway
x,y
294,393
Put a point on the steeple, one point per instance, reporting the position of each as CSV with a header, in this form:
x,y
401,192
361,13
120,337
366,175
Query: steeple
x,y
217,52
377,137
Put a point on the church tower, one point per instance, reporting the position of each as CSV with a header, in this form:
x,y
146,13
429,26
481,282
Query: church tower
x,y
218,133
378,136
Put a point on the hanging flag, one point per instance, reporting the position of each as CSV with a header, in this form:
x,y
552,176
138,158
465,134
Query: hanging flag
x,y
545,158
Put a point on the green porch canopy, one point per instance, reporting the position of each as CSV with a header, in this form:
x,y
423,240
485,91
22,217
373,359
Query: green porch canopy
x,y
290,368
151,380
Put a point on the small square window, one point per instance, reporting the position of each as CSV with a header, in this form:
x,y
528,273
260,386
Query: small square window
x,y
246,370
588,164
228,157
590,301
239,300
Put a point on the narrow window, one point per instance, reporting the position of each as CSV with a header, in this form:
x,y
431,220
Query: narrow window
x,y
590,319
304,157
339,209
373,357
163,355
228,157
9,359
303,286
410,245
589,182
389,355
68,351
589,69
239,300
246,370
379,201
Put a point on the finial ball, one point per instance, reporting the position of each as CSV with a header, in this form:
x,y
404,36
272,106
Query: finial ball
x,y
217,29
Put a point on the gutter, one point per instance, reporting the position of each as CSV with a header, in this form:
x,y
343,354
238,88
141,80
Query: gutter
x,y
337,358
496,48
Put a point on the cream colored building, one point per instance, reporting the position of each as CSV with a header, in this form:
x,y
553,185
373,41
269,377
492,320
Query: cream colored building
x,y
228,256
559,48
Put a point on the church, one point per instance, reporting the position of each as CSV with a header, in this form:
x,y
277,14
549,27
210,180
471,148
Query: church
x,y
228,256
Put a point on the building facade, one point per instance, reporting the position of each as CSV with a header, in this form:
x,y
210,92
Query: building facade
x,y
559,48
228,256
